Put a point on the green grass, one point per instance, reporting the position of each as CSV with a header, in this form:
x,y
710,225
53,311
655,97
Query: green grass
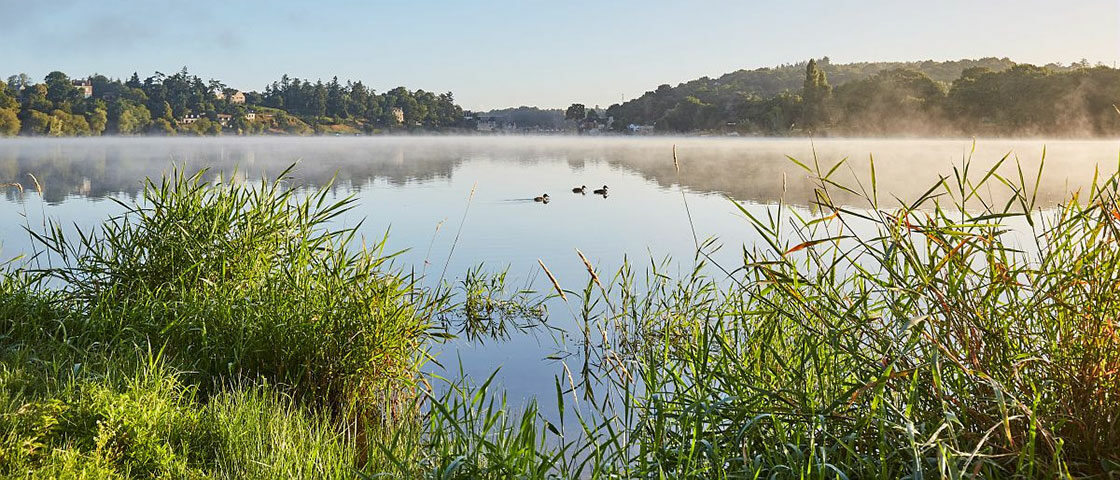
x,y
209,330
224,331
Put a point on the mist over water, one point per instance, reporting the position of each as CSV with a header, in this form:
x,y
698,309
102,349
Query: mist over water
x,y
755,170
417,190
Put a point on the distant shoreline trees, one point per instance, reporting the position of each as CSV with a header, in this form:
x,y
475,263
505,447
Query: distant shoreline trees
x,y
184,104
985,97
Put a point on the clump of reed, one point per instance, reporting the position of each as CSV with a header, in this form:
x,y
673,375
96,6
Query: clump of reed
x,y
241,281
923,339
218,328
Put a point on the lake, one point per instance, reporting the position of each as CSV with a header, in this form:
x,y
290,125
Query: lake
x,y
449,204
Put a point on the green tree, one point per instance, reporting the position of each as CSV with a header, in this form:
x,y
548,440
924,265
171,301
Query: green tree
x,y
899,101
9,122
162,111
35,98
19,82
690,114
7,100
60,91
98,118
161,126
576,112
134,81
70,124
239,124
336,104
815,94
126,118
39,123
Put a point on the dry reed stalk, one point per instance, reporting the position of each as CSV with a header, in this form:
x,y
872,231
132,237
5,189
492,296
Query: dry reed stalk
x,y
590,269
555,284
38,187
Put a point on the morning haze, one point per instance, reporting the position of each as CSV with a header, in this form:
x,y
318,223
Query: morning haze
x,y
560,240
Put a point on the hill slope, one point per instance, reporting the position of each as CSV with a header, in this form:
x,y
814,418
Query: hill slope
x,y
767,82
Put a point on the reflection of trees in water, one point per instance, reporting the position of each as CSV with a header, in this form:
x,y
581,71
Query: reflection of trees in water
x,y
747,170
97,168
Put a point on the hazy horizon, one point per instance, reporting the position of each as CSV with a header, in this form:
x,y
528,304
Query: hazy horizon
x,y
500,54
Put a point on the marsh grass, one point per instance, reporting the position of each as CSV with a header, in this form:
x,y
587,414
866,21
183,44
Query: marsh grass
x,y
240,280
918,340
212,329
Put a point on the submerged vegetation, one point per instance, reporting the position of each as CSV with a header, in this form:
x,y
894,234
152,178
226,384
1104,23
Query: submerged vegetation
x,y
225,330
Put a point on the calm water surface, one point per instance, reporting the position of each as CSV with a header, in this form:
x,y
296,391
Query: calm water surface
x,y
418,189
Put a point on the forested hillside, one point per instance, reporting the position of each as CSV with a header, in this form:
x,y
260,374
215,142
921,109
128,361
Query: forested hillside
x,y
186,104
988,96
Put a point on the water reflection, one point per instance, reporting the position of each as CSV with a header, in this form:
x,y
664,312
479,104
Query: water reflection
x,y
749,170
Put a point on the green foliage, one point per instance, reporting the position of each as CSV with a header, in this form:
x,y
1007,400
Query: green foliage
x,y
213,330
7,100
528,117
71,124
729,90
39,123
97,117
240,125
128,118
156,104
60,91
9,122
293,125
892,102
130,416
355,101
688,115
816,94
986,97
576,112
204,126
162,126
247,279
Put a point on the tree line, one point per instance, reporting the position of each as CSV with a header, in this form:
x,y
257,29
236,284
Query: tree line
x,y
987,97
183,103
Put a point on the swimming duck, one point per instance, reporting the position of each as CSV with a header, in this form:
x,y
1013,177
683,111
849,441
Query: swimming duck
x,y
541,199
600,191
580,190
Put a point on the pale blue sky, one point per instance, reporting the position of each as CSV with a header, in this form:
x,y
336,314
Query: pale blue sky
x,y
498,53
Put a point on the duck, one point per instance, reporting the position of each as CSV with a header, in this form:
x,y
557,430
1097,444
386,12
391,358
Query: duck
x,y
541,199
600,191
580,190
